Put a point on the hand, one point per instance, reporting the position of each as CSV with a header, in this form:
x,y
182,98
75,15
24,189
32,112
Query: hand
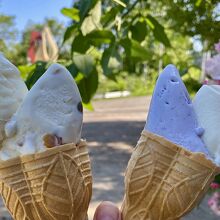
x,y
107,211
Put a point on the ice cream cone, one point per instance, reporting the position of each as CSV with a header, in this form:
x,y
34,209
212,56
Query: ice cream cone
x,y
163,181
55,184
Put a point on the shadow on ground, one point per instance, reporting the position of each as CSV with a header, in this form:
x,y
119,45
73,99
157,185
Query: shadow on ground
x,y
110,146
113,131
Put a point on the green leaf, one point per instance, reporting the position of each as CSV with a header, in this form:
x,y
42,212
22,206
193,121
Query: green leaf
x,y
80,44
92,21
109,16
84,7
68,33
126,43
84,63
79,77
72,69
120,3
139,31
217,178
183,71
105,59
135,50
40,68
110,61
72,13
158,30
138,51
88,86
26,70
88,106
198,3
99,37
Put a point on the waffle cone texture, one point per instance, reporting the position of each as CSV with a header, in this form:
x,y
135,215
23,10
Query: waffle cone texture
x,y
51,185
163,181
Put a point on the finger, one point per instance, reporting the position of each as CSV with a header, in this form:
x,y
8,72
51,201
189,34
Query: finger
x,y
107,211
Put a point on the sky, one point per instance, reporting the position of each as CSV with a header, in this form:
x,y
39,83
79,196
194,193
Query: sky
x,y
34,10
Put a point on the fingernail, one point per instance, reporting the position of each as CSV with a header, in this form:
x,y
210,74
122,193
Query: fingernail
x,y
107,211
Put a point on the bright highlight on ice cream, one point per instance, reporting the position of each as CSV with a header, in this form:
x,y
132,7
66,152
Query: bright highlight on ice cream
x,y
171,114
12,92
207,107
50,115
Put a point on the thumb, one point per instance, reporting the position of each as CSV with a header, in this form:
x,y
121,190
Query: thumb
x,y
107,211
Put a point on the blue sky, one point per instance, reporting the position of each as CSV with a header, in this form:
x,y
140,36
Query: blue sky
x,y
33,10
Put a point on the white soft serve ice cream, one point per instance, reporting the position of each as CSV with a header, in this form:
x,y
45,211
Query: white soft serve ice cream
x,y
207,107
50,115
12,92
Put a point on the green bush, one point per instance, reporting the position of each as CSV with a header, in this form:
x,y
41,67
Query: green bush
x,y
137,85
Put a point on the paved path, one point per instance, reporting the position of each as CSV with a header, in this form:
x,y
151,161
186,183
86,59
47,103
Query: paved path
x,y
112,131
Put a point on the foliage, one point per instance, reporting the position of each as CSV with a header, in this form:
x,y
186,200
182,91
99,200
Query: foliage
x,y
122,39
103,37
191,80
7,32
195,17
144,85
17,52
138,86
7,27
143,35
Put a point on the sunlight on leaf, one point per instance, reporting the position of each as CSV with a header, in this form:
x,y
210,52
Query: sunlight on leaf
x,y
111,60
88,106
151,25
84,63
72,13
79,77
198,3
25,70
120,3
92,21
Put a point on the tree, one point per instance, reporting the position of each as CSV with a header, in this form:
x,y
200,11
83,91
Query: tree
x,y
195,18
105,34
144,36
7,32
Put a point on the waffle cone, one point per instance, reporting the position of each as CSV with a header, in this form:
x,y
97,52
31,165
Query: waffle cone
x,y
51,185
163,181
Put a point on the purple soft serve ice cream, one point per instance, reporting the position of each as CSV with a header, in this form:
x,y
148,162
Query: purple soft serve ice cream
x,y
171,113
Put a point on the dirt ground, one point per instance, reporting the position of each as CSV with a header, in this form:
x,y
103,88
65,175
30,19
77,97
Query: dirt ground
x,y
112,131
